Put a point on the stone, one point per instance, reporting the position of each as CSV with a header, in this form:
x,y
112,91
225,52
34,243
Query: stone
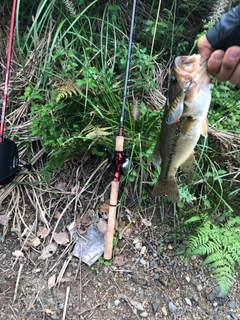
x,y
144,314
116,303
164,311
172,307
155,306
156,276
231,304
188,301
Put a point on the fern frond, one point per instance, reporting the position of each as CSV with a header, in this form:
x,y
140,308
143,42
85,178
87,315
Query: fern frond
x,y
221,244
67,90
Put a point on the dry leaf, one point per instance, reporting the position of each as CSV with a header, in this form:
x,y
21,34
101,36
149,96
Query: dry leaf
x,y
120,260
104,208
48,311
122,224
137,305
147,223
127,232
61,238
57,214
83,222
51,281
4,218
102,225
35,242
48,251
61,185
86,218
74,189
18,253
43,232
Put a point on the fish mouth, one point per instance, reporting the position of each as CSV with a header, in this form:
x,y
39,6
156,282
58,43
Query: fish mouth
x,y
188,63
188,68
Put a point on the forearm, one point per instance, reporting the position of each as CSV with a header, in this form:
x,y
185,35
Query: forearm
x,y
226,32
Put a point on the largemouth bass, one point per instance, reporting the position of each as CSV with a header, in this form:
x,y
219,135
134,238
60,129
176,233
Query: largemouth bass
x,y
184,120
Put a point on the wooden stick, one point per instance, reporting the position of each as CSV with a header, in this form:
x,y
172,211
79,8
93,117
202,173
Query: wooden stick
x,y
66,303
17,282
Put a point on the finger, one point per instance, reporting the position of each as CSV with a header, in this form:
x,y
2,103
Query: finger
x,y
235,77
205,49
215,61
229,64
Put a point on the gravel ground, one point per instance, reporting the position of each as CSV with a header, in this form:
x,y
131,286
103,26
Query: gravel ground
x,y
145,287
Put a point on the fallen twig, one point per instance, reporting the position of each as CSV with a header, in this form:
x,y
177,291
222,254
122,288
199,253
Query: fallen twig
x,y
17,282
66,303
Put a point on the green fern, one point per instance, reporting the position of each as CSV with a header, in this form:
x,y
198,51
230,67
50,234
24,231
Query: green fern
x,y
221,244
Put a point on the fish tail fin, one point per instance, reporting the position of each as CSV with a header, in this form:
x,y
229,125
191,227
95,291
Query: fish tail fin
x,y
168,187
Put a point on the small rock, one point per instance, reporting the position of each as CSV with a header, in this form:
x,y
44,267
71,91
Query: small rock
x,y
137,260
136,232
116,303
188,301
155,306
54,317
164,311
216,293
143,250
215,304
136,240
172,307
144,314
153,264
211,296
156,276
170,247
138,246
231,304
199,287
164,279
187,278
143,262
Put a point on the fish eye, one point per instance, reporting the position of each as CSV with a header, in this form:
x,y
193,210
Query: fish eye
x,y
173,80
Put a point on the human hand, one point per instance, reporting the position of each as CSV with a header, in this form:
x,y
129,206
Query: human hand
x,y
225,65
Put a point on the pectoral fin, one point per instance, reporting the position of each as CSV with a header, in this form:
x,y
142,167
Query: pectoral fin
x,y
205,128
156,157
189,164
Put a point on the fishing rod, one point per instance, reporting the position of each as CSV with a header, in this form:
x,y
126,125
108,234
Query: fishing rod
x,y
9,160
120,161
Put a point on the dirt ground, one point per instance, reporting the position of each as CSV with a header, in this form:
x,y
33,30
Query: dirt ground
x,y
152,281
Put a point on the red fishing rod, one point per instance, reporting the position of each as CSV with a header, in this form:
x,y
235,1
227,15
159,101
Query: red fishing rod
x,y
120,161
9,161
